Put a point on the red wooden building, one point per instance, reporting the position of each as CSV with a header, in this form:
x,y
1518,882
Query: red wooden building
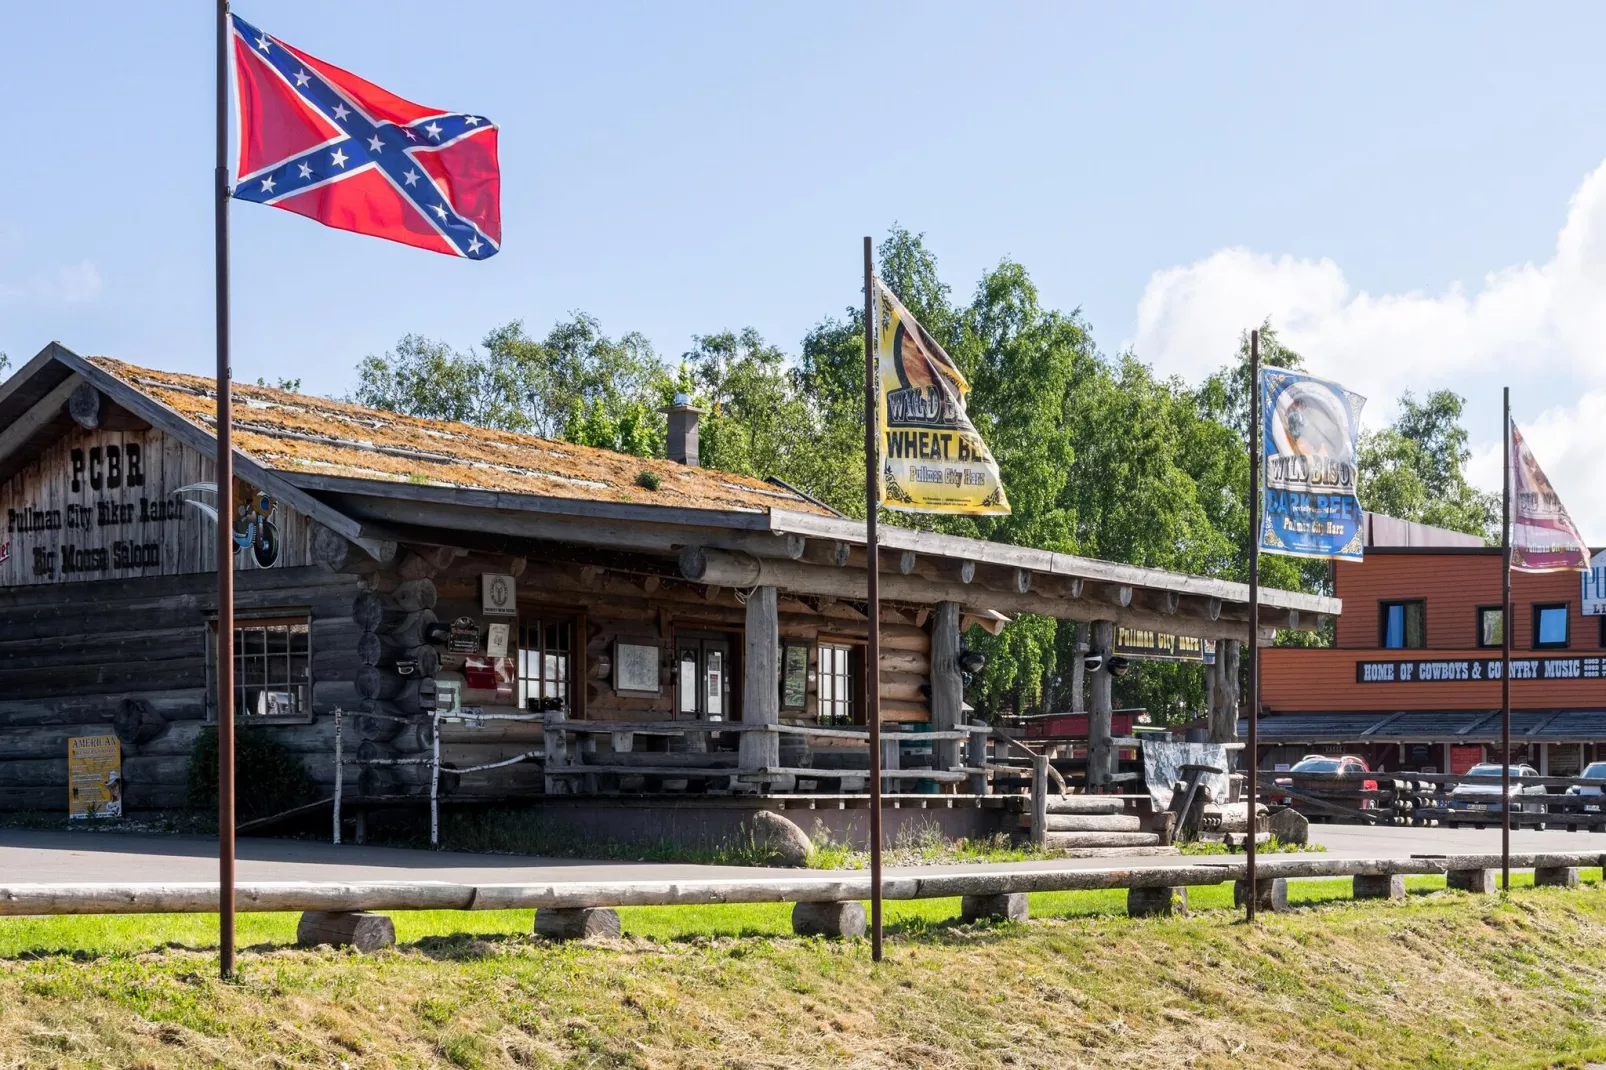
x,y
1413,679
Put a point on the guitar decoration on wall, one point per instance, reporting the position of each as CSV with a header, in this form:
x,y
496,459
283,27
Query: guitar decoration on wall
x,y
253,529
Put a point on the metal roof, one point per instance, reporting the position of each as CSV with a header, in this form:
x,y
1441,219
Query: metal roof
x,y
1435,726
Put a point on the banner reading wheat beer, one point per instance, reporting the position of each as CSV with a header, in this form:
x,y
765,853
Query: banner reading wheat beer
x,y
1310,427
1543,537
932,459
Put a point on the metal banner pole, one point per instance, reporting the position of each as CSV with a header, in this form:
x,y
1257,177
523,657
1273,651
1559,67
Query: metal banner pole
x,y
1253,748
1505,646
225,522
872,564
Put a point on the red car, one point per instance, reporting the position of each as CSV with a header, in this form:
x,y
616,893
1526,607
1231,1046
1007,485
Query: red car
x,y
1321,763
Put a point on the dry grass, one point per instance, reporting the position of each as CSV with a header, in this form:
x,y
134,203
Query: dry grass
x,y
1441,980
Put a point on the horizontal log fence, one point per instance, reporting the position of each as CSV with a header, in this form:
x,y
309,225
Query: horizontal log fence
x,y
21,899
1407,798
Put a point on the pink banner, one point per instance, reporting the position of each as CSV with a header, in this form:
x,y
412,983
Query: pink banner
x,y
1543,538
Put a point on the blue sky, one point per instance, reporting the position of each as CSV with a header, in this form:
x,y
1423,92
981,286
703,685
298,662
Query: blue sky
x,y
1388,181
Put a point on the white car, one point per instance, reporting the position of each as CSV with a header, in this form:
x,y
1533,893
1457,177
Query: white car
x,y
1592,771
1485,795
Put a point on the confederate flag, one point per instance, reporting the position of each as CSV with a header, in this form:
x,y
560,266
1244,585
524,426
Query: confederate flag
x,y
321,142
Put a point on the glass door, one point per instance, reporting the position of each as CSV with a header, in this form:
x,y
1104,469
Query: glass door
x,y
702,682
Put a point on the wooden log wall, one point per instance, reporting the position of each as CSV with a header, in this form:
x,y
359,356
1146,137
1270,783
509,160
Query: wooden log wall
x,y
130,657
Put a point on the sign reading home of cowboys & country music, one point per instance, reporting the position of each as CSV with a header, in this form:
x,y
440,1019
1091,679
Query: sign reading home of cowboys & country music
x,y
1461,670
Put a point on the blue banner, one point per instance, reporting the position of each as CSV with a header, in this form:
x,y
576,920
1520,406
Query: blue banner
x,y
1309,428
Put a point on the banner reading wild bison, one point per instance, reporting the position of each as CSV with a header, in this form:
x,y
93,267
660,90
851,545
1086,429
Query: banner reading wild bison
x,y
932,459
1310,427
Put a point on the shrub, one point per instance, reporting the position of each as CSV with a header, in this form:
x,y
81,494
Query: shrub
x,y
649,480
268,779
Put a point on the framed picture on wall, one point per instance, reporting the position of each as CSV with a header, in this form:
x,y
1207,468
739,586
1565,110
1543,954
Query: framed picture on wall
x,y
635,667
794,674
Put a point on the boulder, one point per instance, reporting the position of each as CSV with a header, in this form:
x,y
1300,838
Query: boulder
x,y
1289,826
786,843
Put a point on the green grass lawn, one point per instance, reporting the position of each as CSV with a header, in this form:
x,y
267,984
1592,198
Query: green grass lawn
x,y
1442,979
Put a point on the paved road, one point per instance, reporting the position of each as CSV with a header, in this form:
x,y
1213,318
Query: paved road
x,y
49,857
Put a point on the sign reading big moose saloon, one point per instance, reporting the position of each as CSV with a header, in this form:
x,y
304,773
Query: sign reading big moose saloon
x,y
108,504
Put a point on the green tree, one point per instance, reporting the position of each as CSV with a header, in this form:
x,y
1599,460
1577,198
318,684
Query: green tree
x,y
421,377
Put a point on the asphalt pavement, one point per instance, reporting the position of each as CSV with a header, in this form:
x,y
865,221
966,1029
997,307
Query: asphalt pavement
x,y
113,857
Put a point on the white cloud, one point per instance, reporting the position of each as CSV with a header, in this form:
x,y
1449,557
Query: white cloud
x,y
1542,327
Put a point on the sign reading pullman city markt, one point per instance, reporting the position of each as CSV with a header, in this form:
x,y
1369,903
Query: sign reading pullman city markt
x,y
103,504
1456,670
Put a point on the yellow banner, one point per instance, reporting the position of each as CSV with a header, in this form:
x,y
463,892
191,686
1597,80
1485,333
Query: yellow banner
x,y
932,459
94,777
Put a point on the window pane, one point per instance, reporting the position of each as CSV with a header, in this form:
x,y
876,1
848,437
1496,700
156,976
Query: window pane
x,y
1415,625
1489,633
716,684
1553,625
688,681
1394,627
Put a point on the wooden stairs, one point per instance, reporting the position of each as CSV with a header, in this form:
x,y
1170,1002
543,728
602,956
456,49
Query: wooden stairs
x,y
1099,825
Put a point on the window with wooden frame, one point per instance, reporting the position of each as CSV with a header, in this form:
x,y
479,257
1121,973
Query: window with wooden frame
x,y
1489,627
546,665
1550,626
272,669
1402,625
839,691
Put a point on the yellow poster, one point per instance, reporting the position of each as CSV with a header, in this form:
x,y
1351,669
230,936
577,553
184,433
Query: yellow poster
x,y
932,459
94,777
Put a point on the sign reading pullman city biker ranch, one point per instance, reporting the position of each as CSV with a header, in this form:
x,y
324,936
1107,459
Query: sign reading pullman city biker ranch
x,y
100,505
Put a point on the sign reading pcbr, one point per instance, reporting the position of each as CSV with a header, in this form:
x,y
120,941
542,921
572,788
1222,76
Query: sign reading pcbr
x,y
107,467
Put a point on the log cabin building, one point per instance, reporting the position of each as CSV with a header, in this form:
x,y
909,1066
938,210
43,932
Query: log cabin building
x,y
670,626
1412,682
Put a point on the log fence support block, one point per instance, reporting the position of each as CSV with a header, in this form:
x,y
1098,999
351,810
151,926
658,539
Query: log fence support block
x,y
576,924
1476,881
838,920
1006,906
1555,876
1271,895
1379,886
359,929
1153,902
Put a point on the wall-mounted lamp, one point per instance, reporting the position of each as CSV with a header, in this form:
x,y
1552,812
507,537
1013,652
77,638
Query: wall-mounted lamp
x,y
972,661
1093,662
1119,666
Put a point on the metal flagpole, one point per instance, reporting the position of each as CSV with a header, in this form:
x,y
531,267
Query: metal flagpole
x,y
225,523
872,564
1505,647
1253,749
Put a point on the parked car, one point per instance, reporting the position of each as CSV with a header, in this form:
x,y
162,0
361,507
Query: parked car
x,y
1592,771
1476,796
1347,764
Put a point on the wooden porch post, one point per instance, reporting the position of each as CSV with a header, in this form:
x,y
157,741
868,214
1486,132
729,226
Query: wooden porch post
x,y
1078,667
1101,751
1223,711
947,685
761,683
